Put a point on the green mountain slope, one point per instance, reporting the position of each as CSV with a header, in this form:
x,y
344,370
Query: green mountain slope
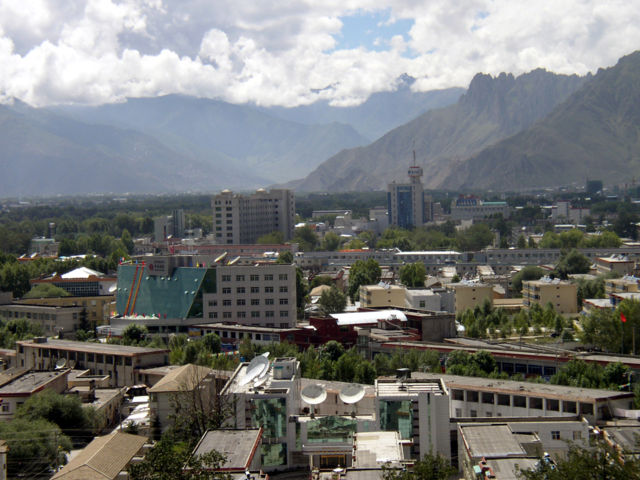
x,y
594,134
491,110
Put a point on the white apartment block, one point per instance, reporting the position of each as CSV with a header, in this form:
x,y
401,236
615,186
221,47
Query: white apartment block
x,y
242,219
262,295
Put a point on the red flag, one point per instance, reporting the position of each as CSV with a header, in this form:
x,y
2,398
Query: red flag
x,y
622,317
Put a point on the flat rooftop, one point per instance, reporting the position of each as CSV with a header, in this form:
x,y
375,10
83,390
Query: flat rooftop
x,y
545,390
92,347
507,468
244,328
413,386
491,441
238,446
377,448
30,382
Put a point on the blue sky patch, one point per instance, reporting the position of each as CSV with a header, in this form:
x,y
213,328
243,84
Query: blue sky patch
x,y
371,30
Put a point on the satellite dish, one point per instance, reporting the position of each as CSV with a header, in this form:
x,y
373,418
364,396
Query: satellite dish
x,y
265,355
351,393
61,363
72,364
256,368
260,380
113,288
313,394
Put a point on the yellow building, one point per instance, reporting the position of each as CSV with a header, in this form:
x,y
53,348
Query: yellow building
x,y
615,263
96,308
470,294
626,284
561,294
382,296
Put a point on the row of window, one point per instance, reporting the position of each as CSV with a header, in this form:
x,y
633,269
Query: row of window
x,y
267,277
254,314
242,290
520,401
34,316
89,357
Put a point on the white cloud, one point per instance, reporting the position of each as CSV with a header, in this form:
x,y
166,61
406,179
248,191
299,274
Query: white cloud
x,y
96,51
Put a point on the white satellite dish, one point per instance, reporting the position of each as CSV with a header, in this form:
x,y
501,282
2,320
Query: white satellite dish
x,y
352,393
313,394
260,380
72,364
265,355
113,288
255,368
61,363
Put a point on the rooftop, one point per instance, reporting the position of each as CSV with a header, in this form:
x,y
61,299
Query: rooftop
x,y
491,441
362,318
92,347
387,387
527,388
82,272
103,459
186,377
31,382
377,448
238,446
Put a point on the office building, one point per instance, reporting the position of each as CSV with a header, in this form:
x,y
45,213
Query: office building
x,y
472,208
242,219
169,226
406,202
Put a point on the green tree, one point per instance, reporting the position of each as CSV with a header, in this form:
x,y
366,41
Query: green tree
x,y
474,238
306,238
363,272
127,241
330,242
46,290
321,280
34,446
572,262
212,343
522,242
273,238
133,334
413,274
332,301
599,461
430,467
169,460
285,258
529,272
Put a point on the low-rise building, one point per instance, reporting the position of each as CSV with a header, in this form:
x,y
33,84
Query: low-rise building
x,y
18,386
105,458
120,362
54,320
382,295
239,448
620,264
81,282
95,310
626,284
471,294
561,294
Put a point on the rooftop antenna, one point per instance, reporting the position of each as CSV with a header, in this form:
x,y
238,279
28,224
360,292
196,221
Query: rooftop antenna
x,y
313,394
61,363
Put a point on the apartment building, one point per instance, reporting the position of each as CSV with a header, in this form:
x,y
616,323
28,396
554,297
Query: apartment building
x,y
561,294
95,309
242,219
120,362
470,294
54,320
259,295
626,284
620,264
472,208
17,387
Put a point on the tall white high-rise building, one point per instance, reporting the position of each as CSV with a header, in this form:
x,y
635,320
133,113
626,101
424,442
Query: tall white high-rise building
x,y
407,204
242,219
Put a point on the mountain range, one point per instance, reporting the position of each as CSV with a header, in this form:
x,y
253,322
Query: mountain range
x,y
508,133
535,130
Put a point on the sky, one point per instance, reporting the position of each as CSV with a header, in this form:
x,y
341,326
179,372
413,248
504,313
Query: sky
x,y
294,52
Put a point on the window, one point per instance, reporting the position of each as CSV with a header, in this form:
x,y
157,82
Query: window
x,y
473,413
457,395
242,314
586,408
569,407
503,400
226,303
284,301
226,278
535,402
268,278
283,289
472,396
255,314
226,290
239,278
268,289
240,290
213,314
268,301
285,325
458,412
553,405
519,401
269,313
255,301
555,434
487,397
254,278
213,303
240,302
283,276
5,407
226,315
255,289
422,303
577,435
284,313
